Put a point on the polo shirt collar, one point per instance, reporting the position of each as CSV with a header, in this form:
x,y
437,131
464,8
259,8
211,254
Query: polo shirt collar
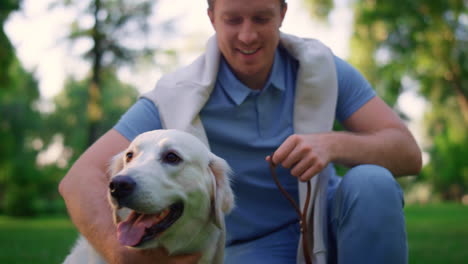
x,y
238,92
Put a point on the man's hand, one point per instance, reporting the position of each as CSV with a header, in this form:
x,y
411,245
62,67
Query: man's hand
x,y
305,155
159,256
375,135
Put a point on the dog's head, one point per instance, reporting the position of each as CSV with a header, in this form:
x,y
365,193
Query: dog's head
x,y
165,186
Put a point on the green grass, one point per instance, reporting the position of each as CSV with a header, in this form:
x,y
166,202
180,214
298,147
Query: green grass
x,y
35,241
436,234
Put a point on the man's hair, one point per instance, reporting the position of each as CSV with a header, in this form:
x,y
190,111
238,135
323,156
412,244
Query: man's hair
x,y
211,3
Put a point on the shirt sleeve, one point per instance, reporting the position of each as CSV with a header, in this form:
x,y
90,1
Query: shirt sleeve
x,y
141,117
353,90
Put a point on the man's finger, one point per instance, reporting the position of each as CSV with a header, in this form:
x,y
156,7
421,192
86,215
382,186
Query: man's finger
x,y
283,151
303,165
316,168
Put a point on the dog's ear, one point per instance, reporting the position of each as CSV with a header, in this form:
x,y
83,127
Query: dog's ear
x,y
222,195
116,163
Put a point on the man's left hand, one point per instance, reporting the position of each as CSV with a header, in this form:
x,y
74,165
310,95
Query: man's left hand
x,y
305,155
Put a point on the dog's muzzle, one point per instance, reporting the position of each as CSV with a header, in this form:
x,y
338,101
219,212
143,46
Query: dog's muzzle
x,y
140,227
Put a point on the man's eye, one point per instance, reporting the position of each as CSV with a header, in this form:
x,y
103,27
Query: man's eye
x,y
233,21
261,20
171,158
129,156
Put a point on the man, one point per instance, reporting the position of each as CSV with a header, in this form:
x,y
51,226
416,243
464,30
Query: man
x,y
255,92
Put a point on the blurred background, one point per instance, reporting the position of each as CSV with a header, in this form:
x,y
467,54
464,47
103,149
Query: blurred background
x,y
69,69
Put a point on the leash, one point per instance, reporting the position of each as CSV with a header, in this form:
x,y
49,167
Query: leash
x,y
302,214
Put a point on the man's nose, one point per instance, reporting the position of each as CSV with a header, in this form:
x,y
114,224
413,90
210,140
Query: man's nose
x,y
248,33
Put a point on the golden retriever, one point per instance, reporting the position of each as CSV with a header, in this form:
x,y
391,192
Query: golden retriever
x,y
167,190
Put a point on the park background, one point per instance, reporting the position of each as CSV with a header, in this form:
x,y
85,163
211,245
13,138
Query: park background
x,y
69,69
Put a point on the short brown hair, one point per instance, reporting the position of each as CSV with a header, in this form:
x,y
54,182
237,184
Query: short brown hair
x,y
211,3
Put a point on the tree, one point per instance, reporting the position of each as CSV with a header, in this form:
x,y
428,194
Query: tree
x,y
6,52
115,23
70,113
424,42
19,126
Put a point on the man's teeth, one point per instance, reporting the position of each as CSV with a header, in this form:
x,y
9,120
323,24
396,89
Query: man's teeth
x,y
248,52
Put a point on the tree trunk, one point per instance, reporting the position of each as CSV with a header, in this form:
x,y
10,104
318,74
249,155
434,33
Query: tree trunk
x,y
94,90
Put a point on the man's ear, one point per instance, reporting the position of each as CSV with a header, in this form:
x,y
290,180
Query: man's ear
x,y
222,195
283,12
211,16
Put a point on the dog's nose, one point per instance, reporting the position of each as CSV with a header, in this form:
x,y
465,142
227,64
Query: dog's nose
x,y
122,186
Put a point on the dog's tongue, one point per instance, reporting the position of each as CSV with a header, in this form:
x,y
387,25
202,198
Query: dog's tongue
x,y
131,231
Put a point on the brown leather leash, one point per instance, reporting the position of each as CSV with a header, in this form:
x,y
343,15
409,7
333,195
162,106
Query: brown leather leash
x,y
302,214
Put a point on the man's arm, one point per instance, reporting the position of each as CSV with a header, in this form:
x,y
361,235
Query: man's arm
x,y
376,135
380,137
84,190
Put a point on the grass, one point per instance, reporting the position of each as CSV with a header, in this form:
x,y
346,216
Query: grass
x,y
38,241
436,234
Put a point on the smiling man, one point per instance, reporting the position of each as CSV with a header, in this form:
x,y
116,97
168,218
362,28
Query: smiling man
x,y
248,37
254,92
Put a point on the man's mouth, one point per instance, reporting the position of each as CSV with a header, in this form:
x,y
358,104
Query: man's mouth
x,y
248,51
139,228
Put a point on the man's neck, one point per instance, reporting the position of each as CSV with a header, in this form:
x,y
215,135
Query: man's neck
x,y
254,83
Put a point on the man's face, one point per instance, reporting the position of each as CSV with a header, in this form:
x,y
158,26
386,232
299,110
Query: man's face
x,y
248,34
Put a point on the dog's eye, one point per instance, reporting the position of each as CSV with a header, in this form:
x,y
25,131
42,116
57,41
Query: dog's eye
x,y
129,156
172,158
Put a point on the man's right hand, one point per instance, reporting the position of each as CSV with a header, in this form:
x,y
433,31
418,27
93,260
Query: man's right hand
x,y
158,256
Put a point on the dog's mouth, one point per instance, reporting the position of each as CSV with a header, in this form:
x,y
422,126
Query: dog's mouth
x,y
139,228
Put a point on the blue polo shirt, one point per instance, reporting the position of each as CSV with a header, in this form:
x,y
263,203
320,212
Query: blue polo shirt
x,y
243,127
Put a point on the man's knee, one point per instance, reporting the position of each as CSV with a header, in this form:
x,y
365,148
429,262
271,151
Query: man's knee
x,y
370,187
370,180
368,208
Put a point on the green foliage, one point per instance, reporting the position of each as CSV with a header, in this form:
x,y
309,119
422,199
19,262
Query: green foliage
x,y
422,45
19,125
448,169
427,42
6,50
26,187
70,119
117,24
319,8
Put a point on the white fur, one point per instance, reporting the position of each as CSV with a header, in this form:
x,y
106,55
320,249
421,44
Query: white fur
x,y
200,180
